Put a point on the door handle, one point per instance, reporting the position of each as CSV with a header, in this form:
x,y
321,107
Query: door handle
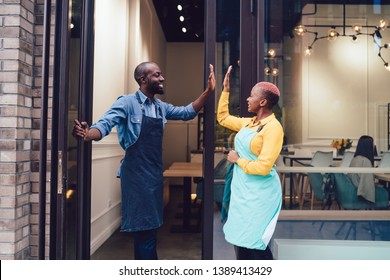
x,y
59,178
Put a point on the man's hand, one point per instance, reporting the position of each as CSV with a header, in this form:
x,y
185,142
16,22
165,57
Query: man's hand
x,y
211,81
80,129
226,81
199,102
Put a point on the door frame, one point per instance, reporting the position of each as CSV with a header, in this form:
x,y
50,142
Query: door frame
x,y
58,164
252,48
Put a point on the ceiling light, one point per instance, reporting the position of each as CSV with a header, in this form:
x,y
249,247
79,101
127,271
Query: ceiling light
x,y
300,30
181,18
309,51
179,7
383,23
357,29
332,35
184,30
271,52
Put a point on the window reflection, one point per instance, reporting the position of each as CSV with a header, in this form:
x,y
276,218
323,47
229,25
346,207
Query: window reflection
x,y
70,229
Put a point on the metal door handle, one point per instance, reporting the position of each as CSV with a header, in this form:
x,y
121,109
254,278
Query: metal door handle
x,y
59,178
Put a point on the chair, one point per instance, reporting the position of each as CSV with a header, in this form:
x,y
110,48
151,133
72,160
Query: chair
x,y
347,198
280,163
347,158
219,182
322,189
385,160
346,193
320,159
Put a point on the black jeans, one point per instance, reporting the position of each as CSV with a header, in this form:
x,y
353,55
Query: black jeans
x,y
253,254
145,245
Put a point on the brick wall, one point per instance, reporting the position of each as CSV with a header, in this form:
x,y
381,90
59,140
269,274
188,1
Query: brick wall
x,y
20,81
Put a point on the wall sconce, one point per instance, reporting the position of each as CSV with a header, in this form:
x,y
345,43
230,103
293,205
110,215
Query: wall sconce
x,y
333,34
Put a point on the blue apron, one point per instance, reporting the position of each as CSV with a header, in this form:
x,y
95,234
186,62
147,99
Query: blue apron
x,y
255,201
141,176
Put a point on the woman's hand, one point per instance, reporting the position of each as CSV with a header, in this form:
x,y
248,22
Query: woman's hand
x,y
233,156
226,81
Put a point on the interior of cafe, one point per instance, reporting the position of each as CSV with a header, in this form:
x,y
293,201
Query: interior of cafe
x,y
330,60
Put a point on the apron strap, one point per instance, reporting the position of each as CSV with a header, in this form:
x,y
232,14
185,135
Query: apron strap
x,y
140,103
260,128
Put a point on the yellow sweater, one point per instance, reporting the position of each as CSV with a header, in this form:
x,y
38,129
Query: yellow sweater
x,y
267,144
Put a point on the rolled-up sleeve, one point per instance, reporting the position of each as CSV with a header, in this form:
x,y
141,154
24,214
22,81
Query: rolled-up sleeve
x,y
115,115
184,113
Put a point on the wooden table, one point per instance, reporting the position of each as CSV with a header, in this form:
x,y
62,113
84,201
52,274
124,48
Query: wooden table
x,y
187,171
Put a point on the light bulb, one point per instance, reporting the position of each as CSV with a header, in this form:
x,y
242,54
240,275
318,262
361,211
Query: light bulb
x,y
300,30
181,18
179,7
387,67
184,30
357,29
355,39
308,51
271,52
383,23
275,72
267,71
332,34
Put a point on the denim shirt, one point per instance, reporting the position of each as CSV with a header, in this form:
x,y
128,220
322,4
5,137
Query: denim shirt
x,y
126,114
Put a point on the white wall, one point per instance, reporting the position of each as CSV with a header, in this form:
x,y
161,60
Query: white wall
x,y
183,84
120,45
344,85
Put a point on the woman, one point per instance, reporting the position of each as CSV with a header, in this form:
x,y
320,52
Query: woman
x,y
364,157
256,195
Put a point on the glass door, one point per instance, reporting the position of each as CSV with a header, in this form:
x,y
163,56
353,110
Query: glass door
x,y
70,177
239,43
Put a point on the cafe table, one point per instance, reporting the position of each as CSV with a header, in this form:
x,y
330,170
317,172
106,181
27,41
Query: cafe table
x,y
302,160
385,171
187,171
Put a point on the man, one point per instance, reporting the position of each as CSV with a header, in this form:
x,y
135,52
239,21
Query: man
x,y
140,118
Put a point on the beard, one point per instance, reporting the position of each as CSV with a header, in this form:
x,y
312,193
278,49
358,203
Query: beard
x,y
156,89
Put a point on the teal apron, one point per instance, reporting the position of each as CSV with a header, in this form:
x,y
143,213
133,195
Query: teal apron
x,y
255,201
141,175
